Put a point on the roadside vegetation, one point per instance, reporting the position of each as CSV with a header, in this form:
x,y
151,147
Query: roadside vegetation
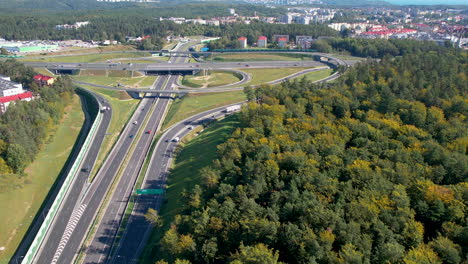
x,y
135,82
88,58
262,76
192,104
259,57
211,79
369,169
185,173
316,75
24,195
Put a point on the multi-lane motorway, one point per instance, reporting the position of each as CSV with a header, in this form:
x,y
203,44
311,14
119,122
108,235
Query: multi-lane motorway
x,y
99,249
78,211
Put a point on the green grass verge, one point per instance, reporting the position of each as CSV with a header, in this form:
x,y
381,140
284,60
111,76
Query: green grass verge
x,y
136,82
95,57
260,57
317,75
261,76
24,196
44,71
192,104
216,78
121,112
184,176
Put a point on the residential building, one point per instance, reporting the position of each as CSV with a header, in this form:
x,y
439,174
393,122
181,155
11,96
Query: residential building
x,y
8,88
42,80
277,37
243,42
262,42
282,42
5,101
11,91
304,42
287,19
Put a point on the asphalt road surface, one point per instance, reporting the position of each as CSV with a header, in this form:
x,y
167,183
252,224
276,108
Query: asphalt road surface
x,y
99,249
173,66
67,205
138,229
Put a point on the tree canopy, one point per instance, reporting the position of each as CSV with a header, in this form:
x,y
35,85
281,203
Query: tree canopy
x,y
370,169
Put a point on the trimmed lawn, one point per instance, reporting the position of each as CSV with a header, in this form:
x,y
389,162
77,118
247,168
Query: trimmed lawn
x,y
185,174
317,75
23,198
211,80
192,104
260,57
96,57
261,76
43,71
77,50
121,113
136,82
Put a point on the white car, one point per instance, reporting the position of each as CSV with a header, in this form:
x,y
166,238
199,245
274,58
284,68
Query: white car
x,y
176,139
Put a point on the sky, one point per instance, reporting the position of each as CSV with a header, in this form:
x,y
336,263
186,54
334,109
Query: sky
x,y
428,2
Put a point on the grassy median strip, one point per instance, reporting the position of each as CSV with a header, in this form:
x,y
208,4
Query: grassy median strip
x,y
259,57
184,176
261,76
29,192
88,58
211,79
316,75
135,82
121,113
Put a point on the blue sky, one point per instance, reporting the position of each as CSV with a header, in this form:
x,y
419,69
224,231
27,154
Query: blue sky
x,y
429,2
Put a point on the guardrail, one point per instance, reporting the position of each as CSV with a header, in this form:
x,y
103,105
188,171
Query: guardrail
x,y
38,239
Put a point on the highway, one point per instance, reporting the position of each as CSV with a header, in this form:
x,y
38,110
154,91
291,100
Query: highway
x,y
79,209
138,229
103,239
67,207
173,66
77,184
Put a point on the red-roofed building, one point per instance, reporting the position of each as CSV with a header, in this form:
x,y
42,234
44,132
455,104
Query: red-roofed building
x,y
262,42
44,80
6,100
282,42
243,42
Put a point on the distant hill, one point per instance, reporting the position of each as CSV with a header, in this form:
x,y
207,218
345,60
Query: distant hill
x,y
356,2
59,4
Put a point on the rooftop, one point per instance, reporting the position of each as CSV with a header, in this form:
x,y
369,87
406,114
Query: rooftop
x,y
15,97
6,85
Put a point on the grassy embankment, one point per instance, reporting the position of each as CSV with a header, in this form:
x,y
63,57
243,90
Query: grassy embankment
x,y
259,57
184,175
192,104
261,76
88,58
122,109
21,199
78,50
317,75
215,78
112,78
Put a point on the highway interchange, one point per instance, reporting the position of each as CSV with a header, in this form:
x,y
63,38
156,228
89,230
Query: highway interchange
x,y
69,230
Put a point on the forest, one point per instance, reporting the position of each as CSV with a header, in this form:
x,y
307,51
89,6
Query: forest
x,y
370,169
117,23
26,126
